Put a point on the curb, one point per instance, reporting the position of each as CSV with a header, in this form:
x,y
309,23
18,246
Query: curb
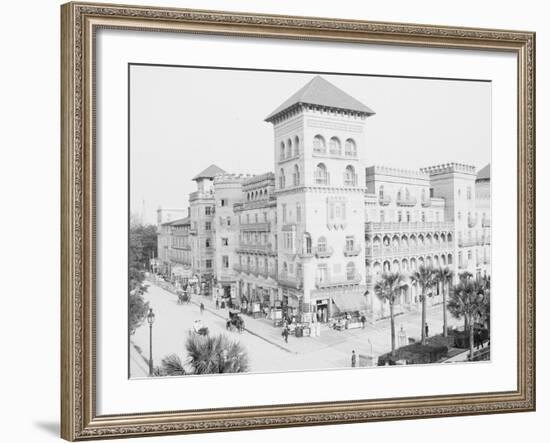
x,y
214,312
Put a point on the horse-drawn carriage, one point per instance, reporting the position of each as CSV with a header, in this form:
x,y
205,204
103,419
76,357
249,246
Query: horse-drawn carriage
x,y
183,296
199,328
235,322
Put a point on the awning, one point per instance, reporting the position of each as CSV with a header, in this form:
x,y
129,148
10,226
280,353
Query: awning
x,y
350,302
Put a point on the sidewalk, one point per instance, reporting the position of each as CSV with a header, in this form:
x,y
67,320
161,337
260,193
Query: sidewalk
x,y
373,339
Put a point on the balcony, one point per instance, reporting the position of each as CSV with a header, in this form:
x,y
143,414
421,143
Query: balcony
x,y
426,202
416,227
197,195
486,223
193,231
256,248
466,243
411,201
353,252
256,227
290,281
384,200
393,251
323,252
330,283
472,221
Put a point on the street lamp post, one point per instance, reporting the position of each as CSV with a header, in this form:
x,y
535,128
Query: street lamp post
x,y
150,320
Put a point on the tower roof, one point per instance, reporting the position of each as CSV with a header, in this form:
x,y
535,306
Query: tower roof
x,y
321,92
484,173
209,172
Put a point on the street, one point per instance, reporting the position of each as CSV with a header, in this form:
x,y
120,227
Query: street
x,y
266,348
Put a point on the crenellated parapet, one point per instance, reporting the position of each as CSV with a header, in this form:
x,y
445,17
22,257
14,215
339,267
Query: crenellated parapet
x,y
231,178
448,168
396,172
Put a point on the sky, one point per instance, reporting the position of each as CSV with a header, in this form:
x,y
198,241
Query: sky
x,y
184,119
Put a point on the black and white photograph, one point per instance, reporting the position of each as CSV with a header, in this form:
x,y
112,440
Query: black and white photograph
x,y
302,221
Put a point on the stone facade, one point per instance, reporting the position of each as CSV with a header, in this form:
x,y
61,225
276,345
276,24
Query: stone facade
x,y
313,237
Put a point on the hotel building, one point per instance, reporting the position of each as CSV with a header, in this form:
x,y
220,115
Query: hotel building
x,y
314,235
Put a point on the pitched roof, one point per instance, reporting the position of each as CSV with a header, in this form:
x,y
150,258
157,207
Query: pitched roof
x,y
209,172
180,222
321,92
484,173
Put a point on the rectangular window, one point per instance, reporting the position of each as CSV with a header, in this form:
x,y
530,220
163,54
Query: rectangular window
x,y
228,221
225,261
225,241
208,226
208,264
322,273
284,213
382,216
207,242
423,217
208,210
298,213
349,243
223,202
399,217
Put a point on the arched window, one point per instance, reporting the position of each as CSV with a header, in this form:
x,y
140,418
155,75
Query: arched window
x,y
296,175
282,179
350,149
322,244
321,174
289,148
350,270
282,151
335,146
349,176
407,194
296,146
319,146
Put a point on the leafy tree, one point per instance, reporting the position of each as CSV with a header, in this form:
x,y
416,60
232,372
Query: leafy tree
x,y
445,277
467,300
141,248
387,289
424,277
215,354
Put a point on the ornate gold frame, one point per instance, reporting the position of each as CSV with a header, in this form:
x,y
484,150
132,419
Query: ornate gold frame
x,y
79,21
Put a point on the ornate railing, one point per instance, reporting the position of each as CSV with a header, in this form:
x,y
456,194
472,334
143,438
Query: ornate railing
x,y
411,201
379,227
267,248
356,250
323,253
290,281
329,283
384,200
256,227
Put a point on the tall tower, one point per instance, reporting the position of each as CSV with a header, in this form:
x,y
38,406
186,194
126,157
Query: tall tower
x,y
201,203
319,157
455,182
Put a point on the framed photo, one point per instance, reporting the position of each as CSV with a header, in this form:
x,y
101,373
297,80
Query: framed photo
x,y
283,221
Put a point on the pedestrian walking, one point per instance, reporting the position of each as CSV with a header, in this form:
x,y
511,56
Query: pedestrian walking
x,y
427,329
217,303
285,333
202,307
363,321
353,359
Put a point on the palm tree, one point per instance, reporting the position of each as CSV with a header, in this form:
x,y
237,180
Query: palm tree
x,y
387,289
215,354
172,365
467,300
445,277
424,277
